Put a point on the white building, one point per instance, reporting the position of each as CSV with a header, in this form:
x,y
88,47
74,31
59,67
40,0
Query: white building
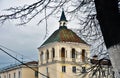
x,y
63,53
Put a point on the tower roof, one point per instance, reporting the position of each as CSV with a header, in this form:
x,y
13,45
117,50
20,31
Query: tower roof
x,y
63,18
64,35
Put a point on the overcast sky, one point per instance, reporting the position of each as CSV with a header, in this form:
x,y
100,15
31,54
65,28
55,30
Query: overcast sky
x,y
23,39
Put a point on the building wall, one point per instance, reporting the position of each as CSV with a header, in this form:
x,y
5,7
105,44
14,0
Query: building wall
x,y
68,73
68,46
28,73
49,70
11,73
54,65
55,71
18,73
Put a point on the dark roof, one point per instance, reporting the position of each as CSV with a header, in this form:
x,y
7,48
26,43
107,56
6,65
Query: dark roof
x,y
63,18
64,35
31,62
102,62
19,65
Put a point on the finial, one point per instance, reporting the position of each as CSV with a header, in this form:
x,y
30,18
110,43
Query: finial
x,y
63,19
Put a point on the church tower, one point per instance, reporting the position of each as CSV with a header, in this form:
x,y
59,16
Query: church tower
x,y
62,53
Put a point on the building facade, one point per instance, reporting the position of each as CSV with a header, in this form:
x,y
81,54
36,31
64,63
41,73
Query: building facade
x,y
63,53
20,71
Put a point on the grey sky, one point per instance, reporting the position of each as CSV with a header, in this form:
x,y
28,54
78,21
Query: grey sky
x,y
23,39
26,39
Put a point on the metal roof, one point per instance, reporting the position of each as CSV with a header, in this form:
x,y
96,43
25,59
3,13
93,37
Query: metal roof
x,y
63,34
63,18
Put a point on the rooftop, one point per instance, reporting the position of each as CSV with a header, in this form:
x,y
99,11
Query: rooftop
x,y
64,35
15,66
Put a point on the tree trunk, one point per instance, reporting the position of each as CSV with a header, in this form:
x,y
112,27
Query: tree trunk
x,y
109,20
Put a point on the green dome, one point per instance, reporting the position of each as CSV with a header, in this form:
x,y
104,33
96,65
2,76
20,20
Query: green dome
x,y
64,35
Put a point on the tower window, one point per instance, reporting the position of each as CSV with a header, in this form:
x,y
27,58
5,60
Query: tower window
x,y
63,52
19,74
53,52
46,69
73,53
74,69
14,75
47,57
83,55
9,76
63,68
41,57
4,76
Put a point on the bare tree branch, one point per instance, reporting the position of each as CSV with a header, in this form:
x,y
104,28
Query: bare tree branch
x,y
90,30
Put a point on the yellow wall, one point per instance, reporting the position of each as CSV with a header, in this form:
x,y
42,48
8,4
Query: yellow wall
x,y
25,73
55,69
28,73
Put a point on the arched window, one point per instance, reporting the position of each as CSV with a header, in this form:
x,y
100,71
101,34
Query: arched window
x,y
4,76
73,53
19,74
9,75
14,75
53,52
41,57
63,52
83,55
47,55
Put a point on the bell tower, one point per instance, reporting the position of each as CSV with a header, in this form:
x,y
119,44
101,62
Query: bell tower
x,y
60,53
